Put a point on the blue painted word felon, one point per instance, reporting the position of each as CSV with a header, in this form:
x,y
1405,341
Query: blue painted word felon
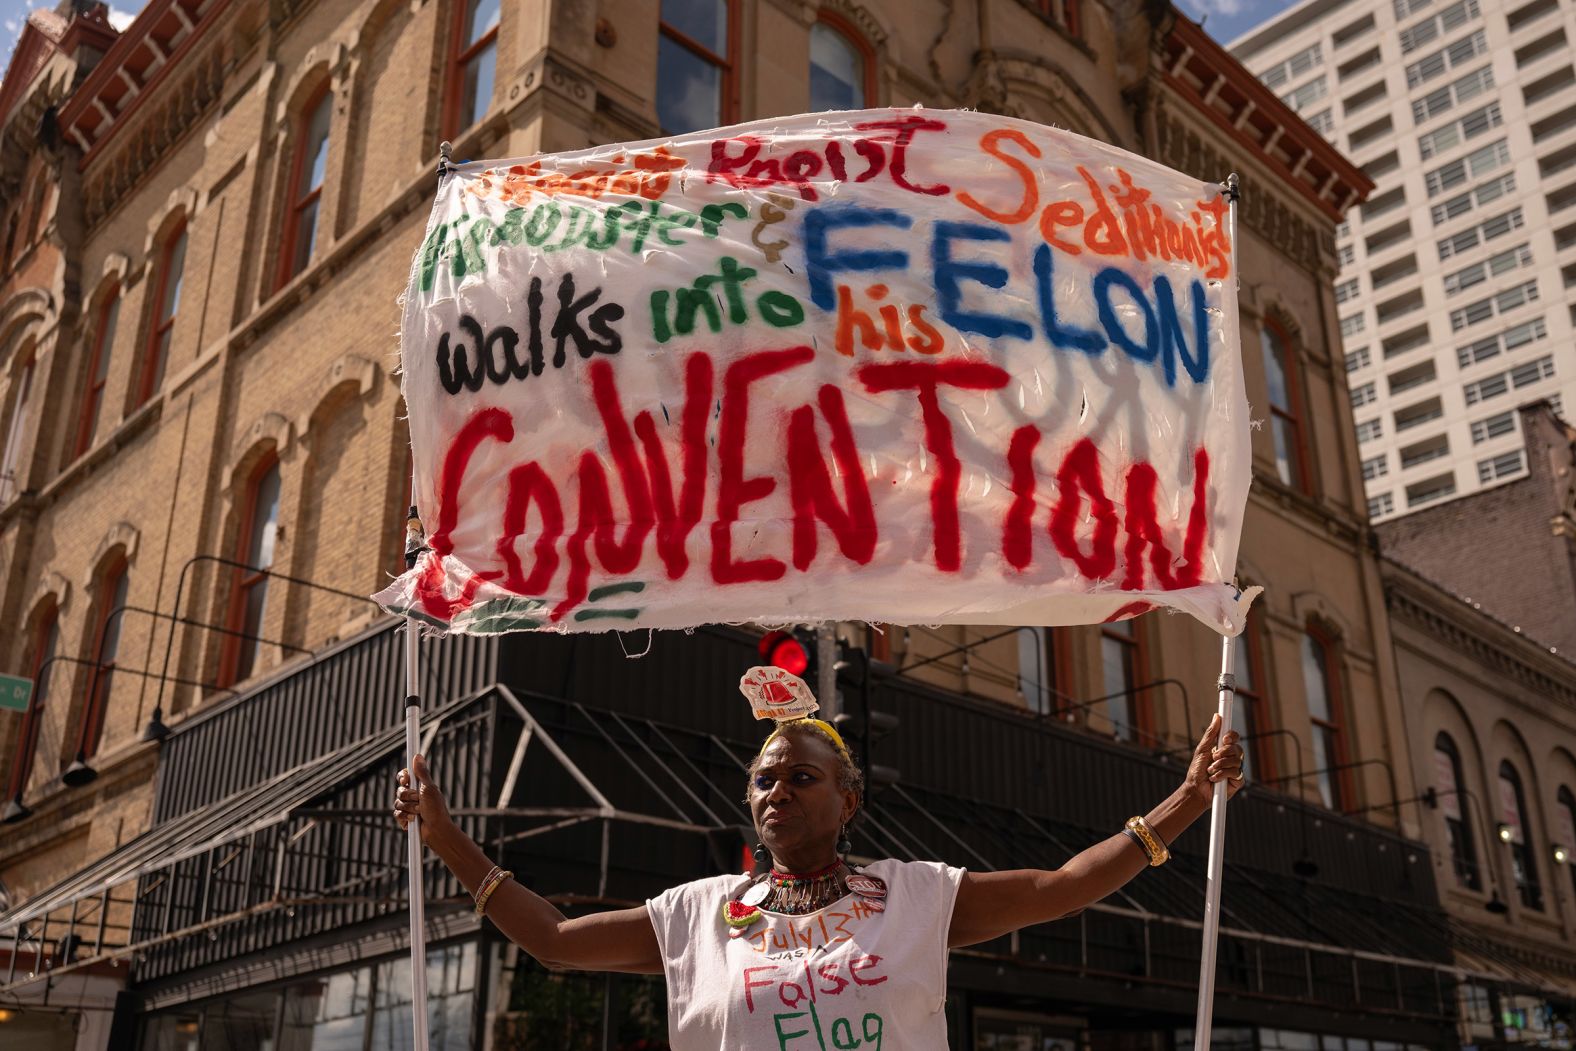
x,y
1160,341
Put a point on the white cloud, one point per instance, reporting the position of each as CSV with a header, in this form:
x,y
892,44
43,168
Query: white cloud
x,y
121,19
1219,8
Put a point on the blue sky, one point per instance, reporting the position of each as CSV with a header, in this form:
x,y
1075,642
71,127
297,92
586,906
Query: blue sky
x,y
13,13
1223,19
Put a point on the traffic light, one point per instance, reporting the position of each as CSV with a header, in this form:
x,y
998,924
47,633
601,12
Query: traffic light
x,y
860,725
792,651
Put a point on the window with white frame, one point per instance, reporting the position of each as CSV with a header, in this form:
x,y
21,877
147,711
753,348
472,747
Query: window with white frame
x,y
1496,264
1356,359
1519,376
1344,255
1322,122
1368,430
1379,505
1502,466
1479,162
1477,197
1352,325
1481,233
1499,303
1408,8
1376,467
1364,394
1309,93
1442,100
1491,427
1348,290
1294,67
1430,29
1463,129
1453,56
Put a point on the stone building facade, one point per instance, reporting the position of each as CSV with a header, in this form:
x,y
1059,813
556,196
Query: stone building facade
x,y
247,185
1491,715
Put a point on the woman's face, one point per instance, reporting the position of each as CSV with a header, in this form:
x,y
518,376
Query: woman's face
x,y
796,802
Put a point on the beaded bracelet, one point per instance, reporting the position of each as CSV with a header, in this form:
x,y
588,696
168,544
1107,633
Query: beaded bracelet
x,y
493,880
1158,854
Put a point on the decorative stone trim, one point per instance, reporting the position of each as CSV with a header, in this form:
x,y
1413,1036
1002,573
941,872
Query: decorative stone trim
x,y
348,369
50,582
121,534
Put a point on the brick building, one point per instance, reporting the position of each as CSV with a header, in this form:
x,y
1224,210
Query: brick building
x,y
1510,549
249,182
1492,721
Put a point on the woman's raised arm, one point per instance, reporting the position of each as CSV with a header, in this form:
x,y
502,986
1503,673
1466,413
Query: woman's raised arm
x,y
622,940
991,904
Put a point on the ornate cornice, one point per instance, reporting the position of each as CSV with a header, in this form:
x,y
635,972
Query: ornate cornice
x,y
1183,147
1466,630
174,113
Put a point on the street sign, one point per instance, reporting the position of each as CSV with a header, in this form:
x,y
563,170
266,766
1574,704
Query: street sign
x,y
15,692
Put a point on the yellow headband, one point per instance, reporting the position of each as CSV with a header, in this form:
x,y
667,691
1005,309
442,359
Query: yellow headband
x,y
820,726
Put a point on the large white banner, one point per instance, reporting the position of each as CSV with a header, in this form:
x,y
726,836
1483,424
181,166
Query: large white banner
x,y
890,365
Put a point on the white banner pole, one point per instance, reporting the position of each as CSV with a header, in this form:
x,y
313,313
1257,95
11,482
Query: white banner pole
x,y
418,902
415,543
1217,813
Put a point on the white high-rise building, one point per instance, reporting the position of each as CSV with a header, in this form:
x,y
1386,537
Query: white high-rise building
x,y
1459,273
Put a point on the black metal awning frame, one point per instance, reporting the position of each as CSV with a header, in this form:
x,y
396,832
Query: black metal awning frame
x,y
246,844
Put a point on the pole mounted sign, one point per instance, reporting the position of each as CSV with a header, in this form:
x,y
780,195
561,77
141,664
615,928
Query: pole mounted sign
x,y
886,365
15,693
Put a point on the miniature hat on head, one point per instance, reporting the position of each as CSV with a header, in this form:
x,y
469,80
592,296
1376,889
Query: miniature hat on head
x,y
784,698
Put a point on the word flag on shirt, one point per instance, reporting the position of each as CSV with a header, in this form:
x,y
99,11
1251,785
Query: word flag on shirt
x,y
904,366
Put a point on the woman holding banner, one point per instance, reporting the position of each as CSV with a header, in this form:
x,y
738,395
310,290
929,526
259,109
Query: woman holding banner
x,y
814,952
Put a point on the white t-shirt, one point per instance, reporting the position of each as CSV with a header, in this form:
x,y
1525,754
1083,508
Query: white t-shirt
x,y
844,977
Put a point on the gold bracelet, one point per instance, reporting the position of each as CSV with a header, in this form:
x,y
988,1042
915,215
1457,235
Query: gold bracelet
x,y
494,879
1158,854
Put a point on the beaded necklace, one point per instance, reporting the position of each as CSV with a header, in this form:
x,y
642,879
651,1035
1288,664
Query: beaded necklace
x,y
793,894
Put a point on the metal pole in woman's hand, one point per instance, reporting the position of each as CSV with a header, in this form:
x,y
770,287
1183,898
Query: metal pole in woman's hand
x,y
1217,811
414,545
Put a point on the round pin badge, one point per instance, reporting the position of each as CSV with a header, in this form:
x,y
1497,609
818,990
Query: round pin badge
x,y
867,886
756,894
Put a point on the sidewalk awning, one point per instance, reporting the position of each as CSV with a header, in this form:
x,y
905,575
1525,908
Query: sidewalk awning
x,y
532,768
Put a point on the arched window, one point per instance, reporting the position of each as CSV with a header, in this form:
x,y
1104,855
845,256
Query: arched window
x,y
1249,714
1121,661
1458,824
697,65
473,61
103,341
1280,374
46,635
107,624
304,197
841,68
1038,668
249,597
11,466
166,301
1515,830
1567,817
1321,684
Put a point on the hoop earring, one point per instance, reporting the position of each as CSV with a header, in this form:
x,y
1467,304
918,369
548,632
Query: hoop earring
x,y
844,845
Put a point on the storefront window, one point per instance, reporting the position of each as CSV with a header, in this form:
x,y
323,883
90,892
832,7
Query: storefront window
x,y
328,1013
538,1010
451,984
246,1023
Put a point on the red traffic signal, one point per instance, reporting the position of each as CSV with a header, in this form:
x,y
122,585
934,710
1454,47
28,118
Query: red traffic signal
x,y
781,649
